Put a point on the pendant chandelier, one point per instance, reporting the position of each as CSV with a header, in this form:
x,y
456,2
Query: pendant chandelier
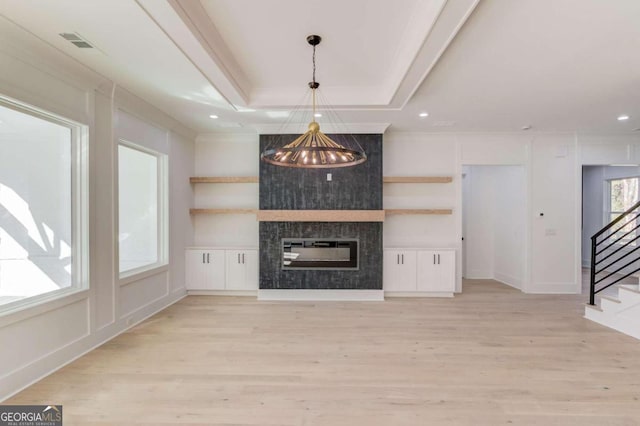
x,y
314,149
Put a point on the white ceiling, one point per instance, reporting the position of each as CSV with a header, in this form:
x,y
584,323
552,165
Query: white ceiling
x,y
489,65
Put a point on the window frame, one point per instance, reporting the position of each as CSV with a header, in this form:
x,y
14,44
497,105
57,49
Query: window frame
x,y
607,217
162,188
80,249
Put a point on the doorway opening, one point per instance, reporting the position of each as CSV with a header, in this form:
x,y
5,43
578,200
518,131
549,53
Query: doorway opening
x,y
494,200
607,191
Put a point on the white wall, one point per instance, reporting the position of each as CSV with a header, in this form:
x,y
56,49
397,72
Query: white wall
x,y
414,154
554,212
479,204
227,155
550,166
45,337
511,223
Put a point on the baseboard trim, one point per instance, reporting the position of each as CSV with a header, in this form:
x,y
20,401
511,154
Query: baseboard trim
x,y
478,274
417,294
322,295
249,293
553,288
509,280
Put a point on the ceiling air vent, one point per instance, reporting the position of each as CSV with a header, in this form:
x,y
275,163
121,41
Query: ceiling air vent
x,y
77,40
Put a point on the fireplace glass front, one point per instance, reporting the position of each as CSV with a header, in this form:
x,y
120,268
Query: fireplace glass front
x,y
319,253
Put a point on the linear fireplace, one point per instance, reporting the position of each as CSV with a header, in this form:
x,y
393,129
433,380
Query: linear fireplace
x,y
320,253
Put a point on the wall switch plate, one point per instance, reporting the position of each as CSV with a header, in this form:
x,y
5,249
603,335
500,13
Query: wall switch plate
x,y
329,177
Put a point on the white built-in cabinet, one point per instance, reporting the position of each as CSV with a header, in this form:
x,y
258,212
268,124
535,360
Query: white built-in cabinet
x,y
420,270
221,269
399,270
204,269
436,271
242,270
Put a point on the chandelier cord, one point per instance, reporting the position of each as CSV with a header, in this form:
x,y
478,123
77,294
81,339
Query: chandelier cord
x,y
314,65
314,85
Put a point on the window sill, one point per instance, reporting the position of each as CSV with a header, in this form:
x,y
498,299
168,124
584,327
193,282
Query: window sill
x,y
141,273
38,305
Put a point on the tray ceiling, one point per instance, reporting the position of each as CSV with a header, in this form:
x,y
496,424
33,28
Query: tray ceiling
x,y
473,65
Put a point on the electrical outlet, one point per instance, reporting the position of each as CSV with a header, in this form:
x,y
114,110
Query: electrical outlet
x,y
329,177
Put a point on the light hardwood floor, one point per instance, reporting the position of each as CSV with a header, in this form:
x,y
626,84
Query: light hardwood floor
x,y
489,356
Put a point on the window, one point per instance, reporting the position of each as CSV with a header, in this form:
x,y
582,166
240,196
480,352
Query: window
x,y
623,194
142,208
43,206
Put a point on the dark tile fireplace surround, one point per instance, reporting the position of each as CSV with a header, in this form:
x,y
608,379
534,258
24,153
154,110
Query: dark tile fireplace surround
x,y
350,188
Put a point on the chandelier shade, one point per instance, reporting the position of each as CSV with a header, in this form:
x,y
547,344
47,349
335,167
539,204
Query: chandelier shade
x,y
314,149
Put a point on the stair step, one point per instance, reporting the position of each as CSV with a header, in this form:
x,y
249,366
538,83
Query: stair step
x,y
610,299
594,307
629,287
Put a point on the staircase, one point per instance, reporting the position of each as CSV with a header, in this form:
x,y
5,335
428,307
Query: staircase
x,y
615,260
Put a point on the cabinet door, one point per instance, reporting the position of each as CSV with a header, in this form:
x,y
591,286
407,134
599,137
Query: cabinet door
x,y
242,270
215,270
399,270
251,268
195,269
436,271
447,271
235,270
204,269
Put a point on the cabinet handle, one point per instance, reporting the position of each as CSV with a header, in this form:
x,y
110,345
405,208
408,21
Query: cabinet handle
x,y
397,259
434,259
208,258
402,257
243,258
238,257
202,257
438,258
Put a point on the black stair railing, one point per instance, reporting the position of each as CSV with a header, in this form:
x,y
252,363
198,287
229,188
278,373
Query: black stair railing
x,y
615,252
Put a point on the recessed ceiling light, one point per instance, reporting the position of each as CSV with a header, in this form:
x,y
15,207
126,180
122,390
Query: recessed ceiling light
x,y
317,115
213,116
623,117
423,114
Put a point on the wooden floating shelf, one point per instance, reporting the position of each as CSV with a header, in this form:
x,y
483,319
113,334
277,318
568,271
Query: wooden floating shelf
x,y
417,179
321,215
224,179
418,211
222,211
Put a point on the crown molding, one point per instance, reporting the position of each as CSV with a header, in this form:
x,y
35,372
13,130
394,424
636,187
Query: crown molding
x,y
189,27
